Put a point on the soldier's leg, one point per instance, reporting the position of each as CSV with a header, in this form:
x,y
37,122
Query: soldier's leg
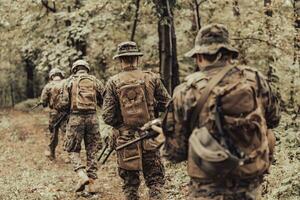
x,y
74,135
131,183
93,144
53,142
205,189
154,174
50,152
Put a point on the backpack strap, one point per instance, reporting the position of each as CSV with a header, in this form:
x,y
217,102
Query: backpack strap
x,y
210,86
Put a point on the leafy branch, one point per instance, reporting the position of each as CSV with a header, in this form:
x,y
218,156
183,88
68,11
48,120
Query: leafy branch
x,y
260,40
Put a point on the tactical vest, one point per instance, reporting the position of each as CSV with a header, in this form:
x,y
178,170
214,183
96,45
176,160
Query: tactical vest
x,y
135,91
83,93
243,119
136,97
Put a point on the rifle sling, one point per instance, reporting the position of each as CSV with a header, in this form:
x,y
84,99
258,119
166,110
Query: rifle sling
x,y
204,96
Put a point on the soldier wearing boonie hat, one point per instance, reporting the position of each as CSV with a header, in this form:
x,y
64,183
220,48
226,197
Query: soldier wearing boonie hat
x,y
132,98
219,118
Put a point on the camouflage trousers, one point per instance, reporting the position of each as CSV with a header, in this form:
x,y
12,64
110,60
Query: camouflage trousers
x,y
83,127
154,175
54,131
205,189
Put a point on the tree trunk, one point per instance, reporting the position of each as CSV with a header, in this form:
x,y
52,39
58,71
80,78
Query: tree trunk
x,y
197,15
136,19
12,94
169,68
29,68
240,43
297,34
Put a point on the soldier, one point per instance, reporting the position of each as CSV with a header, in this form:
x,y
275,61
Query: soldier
x,y
133,97
50,98
85,93
220,121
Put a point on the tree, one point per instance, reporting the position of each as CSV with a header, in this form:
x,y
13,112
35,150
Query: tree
x,y
297,34
167,43
136,19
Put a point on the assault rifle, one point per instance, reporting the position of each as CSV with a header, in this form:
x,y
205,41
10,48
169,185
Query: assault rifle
x,y
150,129
59,120
36,105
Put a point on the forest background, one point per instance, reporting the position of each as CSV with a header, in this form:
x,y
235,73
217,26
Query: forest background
x,y
38,35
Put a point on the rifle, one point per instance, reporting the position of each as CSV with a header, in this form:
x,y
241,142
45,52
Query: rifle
x,y
62,118
36,105
104,150
152,125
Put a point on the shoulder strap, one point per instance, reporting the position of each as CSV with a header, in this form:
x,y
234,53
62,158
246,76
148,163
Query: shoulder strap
x,y
210,86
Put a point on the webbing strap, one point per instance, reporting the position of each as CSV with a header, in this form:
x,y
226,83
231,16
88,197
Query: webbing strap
x,y
204,96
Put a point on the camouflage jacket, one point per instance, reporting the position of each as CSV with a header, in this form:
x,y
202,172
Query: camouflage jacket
x,y
157,98
176,123
51,91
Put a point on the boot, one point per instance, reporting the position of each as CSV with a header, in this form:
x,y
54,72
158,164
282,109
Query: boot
x,y
91,186
131,194
83,180
155,193
50,155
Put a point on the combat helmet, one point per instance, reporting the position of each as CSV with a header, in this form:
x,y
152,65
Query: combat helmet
x,y
210,39
128,48
80,63
56,71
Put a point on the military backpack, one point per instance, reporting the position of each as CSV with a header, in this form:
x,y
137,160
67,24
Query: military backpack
x,y
229,131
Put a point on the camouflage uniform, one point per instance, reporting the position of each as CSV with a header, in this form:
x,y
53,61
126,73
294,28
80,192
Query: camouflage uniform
x,y
48,98
157,98
83,125
180,111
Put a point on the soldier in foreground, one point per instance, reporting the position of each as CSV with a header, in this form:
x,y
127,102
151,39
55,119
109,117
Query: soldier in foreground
x,y
220,121
132,98
85,93
50,97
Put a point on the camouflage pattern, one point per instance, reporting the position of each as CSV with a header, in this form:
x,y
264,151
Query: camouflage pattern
x,y
157,99
81,63
83,127
210,39
56,71
205,189
153,171
127,49
54,131
49,93
176,126
176,123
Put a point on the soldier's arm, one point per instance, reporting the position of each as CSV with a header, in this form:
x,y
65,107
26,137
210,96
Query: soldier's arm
x,y
100,89
272,111
175,127
45,96
111,109
161,95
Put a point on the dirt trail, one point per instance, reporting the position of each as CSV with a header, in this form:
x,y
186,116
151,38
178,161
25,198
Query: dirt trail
x,y
25,173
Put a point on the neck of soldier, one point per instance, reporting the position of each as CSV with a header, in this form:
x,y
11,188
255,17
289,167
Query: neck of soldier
x,y
128,66
205,64
56,78
81,71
